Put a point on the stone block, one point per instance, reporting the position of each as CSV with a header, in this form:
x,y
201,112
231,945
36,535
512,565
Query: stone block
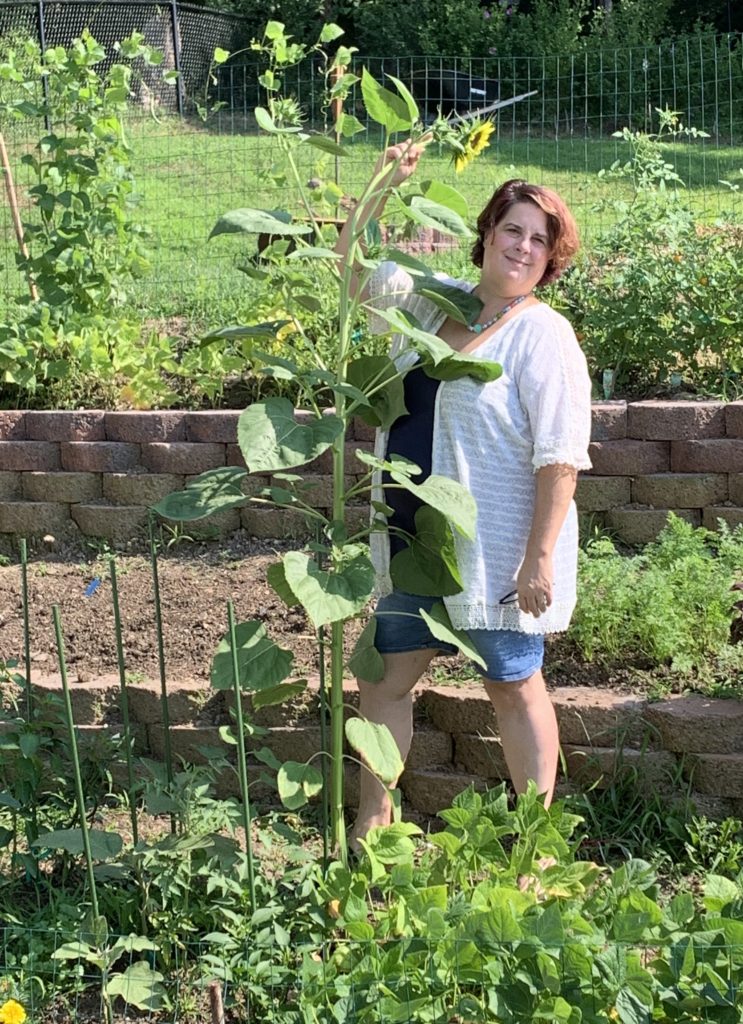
x,y
719,455
352,463
292,743
35,518
234,456
218,426
64,425
608,421
430,748
732,516
214,527
118,523
323,464
733,419
680,490
735,485
600,717
628,458
29,456
99,456
12,425
599,493
62,487
361,431
651,771
430,791
717,808
182,457
481,756
698,724
10,486
185,741
459,709
357,518
93,702
642,525
145,427
719,775
188,701
675,421
276,524
139,488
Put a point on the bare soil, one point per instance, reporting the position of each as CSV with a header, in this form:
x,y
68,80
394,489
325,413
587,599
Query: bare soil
x,y
196,582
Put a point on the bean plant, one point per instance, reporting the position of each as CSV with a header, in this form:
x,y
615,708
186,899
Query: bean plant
x,y
333,578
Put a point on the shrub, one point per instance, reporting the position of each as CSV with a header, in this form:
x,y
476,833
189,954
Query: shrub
x,y
671,605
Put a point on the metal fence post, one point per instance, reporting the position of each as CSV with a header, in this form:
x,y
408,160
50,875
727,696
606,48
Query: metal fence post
x,y
42,43
179,85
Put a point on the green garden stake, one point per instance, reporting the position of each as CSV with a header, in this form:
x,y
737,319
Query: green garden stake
x,y
325,799
242,763
26,629
75,759
124,699
161,662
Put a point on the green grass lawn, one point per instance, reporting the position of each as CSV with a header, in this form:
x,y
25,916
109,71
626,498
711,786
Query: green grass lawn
x,y
188,175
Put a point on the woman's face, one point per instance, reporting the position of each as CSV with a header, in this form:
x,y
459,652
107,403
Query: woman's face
x,y
517,250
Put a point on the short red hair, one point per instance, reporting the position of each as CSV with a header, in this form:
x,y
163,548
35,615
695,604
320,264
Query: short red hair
x,y
562,231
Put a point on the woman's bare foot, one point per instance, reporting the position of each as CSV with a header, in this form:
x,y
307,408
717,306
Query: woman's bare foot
x,y
362,826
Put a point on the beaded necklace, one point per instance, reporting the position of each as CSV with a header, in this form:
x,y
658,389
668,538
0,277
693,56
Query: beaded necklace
x,y
479,328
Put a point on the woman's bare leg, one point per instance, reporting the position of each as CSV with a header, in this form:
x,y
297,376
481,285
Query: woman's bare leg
x,y
528,729
388,702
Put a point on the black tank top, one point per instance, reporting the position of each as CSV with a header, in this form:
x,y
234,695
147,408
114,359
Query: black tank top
x,y
412,437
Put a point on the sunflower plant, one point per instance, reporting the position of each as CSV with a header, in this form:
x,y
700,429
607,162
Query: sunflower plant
x,y
333,578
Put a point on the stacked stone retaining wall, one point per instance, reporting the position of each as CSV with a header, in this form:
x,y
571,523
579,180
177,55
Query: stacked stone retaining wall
x,y
96,473
679,747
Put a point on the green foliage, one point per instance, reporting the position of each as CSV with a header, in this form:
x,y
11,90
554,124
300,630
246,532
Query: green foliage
x,y
658,298
715,846
671,605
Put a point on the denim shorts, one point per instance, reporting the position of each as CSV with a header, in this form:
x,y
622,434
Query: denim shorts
x,y
508,654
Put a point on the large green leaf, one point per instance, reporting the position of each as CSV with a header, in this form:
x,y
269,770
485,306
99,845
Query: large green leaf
x,y
297,783
383,106
271,439
237,332
277,581
439,623
267,123
376,745
391,844
447,196
103,845
140,986
210,492
258,222
380,374
366,662
406,323
460,305
428,567
347,125
261,664
278,694
410,104
330,596
457,366
441,218
327,145
448,497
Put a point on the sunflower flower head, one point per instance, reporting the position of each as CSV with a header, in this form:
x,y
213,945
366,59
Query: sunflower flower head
x,y
474,139
12,1012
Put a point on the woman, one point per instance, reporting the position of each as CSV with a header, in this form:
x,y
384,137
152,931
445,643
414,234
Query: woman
x,y
517,444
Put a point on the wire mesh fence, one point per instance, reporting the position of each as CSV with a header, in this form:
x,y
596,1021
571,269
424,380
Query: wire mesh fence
x,y
393,981
189,171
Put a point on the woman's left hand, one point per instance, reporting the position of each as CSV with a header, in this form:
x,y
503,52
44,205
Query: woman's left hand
x,y
534,585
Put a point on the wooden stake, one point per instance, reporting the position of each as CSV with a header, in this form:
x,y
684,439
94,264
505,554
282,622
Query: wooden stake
x,y
215,1002
13,203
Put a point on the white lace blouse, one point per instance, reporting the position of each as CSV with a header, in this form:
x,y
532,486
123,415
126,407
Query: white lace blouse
x,y
492,438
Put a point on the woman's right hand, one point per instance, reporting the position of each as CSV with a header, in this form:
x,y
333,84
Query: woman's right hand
x,y
403,159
